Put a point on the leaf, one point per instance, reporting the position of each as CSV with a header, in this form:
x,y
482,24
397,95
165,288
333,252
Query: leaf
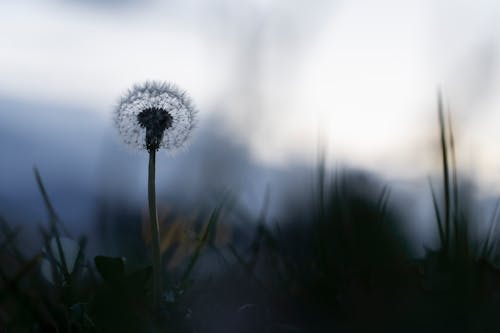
x,y
47,271
204,237
139,278
111,269
70,251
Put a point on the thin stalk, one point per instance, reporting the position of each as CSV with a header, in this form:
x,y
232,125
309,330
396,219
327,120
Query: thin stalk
x,y
321,183
53,219
155,230
446,174
438,215
202,241
456,224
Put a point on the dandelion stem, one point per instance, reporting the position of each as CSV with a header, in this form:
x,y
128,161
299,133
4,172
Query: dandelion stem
x,y
155,230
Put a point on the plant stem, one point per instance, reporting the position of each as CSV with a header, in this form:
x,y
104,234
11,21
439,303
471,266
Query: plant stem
x,y
155,230
446,177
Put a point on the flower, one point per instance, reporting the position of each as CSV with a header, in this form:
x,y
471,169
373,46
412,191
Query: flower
x,y
155,115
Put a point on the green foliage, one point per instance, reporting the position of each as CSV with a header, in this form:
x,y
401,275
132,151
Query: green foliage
x,y
59,290
111,269
121,302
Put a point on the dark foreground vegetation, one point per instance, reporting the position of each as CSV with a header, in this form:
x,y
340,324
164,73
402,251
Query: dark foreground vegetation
x,y
338,262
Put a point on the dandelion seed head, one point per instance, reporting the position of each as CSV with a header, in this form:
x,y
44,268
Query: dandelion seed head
x,y
155,115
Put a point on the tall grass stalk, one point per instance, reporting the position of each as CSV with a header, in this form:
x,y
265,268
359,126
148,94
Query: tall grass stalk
x,y
202,242
456,214
53,221
446,174
453,226
437,213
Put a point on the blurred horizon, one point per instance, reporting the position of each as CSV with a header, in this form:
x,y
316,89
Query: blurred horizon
x,y
362,76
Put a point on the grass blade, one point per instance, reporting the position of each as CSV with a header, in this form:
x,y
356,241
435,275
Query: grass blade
x,y
209,229
53,220
456,220
383,201
438,214
446,172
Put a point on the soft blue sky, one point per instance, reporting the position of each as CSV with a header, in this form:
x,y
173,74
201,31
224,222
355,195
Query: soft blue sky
x,y
361,75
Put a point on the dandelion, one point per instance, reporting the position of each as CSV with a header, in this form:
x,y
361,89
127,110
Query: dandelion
x,y
153,116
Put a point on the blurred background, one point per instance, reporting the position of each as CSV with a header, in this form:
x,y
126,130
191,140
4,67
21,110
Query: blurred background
x,y
277,82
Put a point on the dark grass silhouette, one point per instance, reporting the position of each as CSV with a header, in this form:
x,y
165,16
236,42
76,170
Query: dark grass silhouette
x,y
337,261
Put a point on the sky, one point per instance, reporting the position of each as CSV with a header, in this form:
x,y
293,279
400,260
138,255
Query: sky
x,y
361,77
278,80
